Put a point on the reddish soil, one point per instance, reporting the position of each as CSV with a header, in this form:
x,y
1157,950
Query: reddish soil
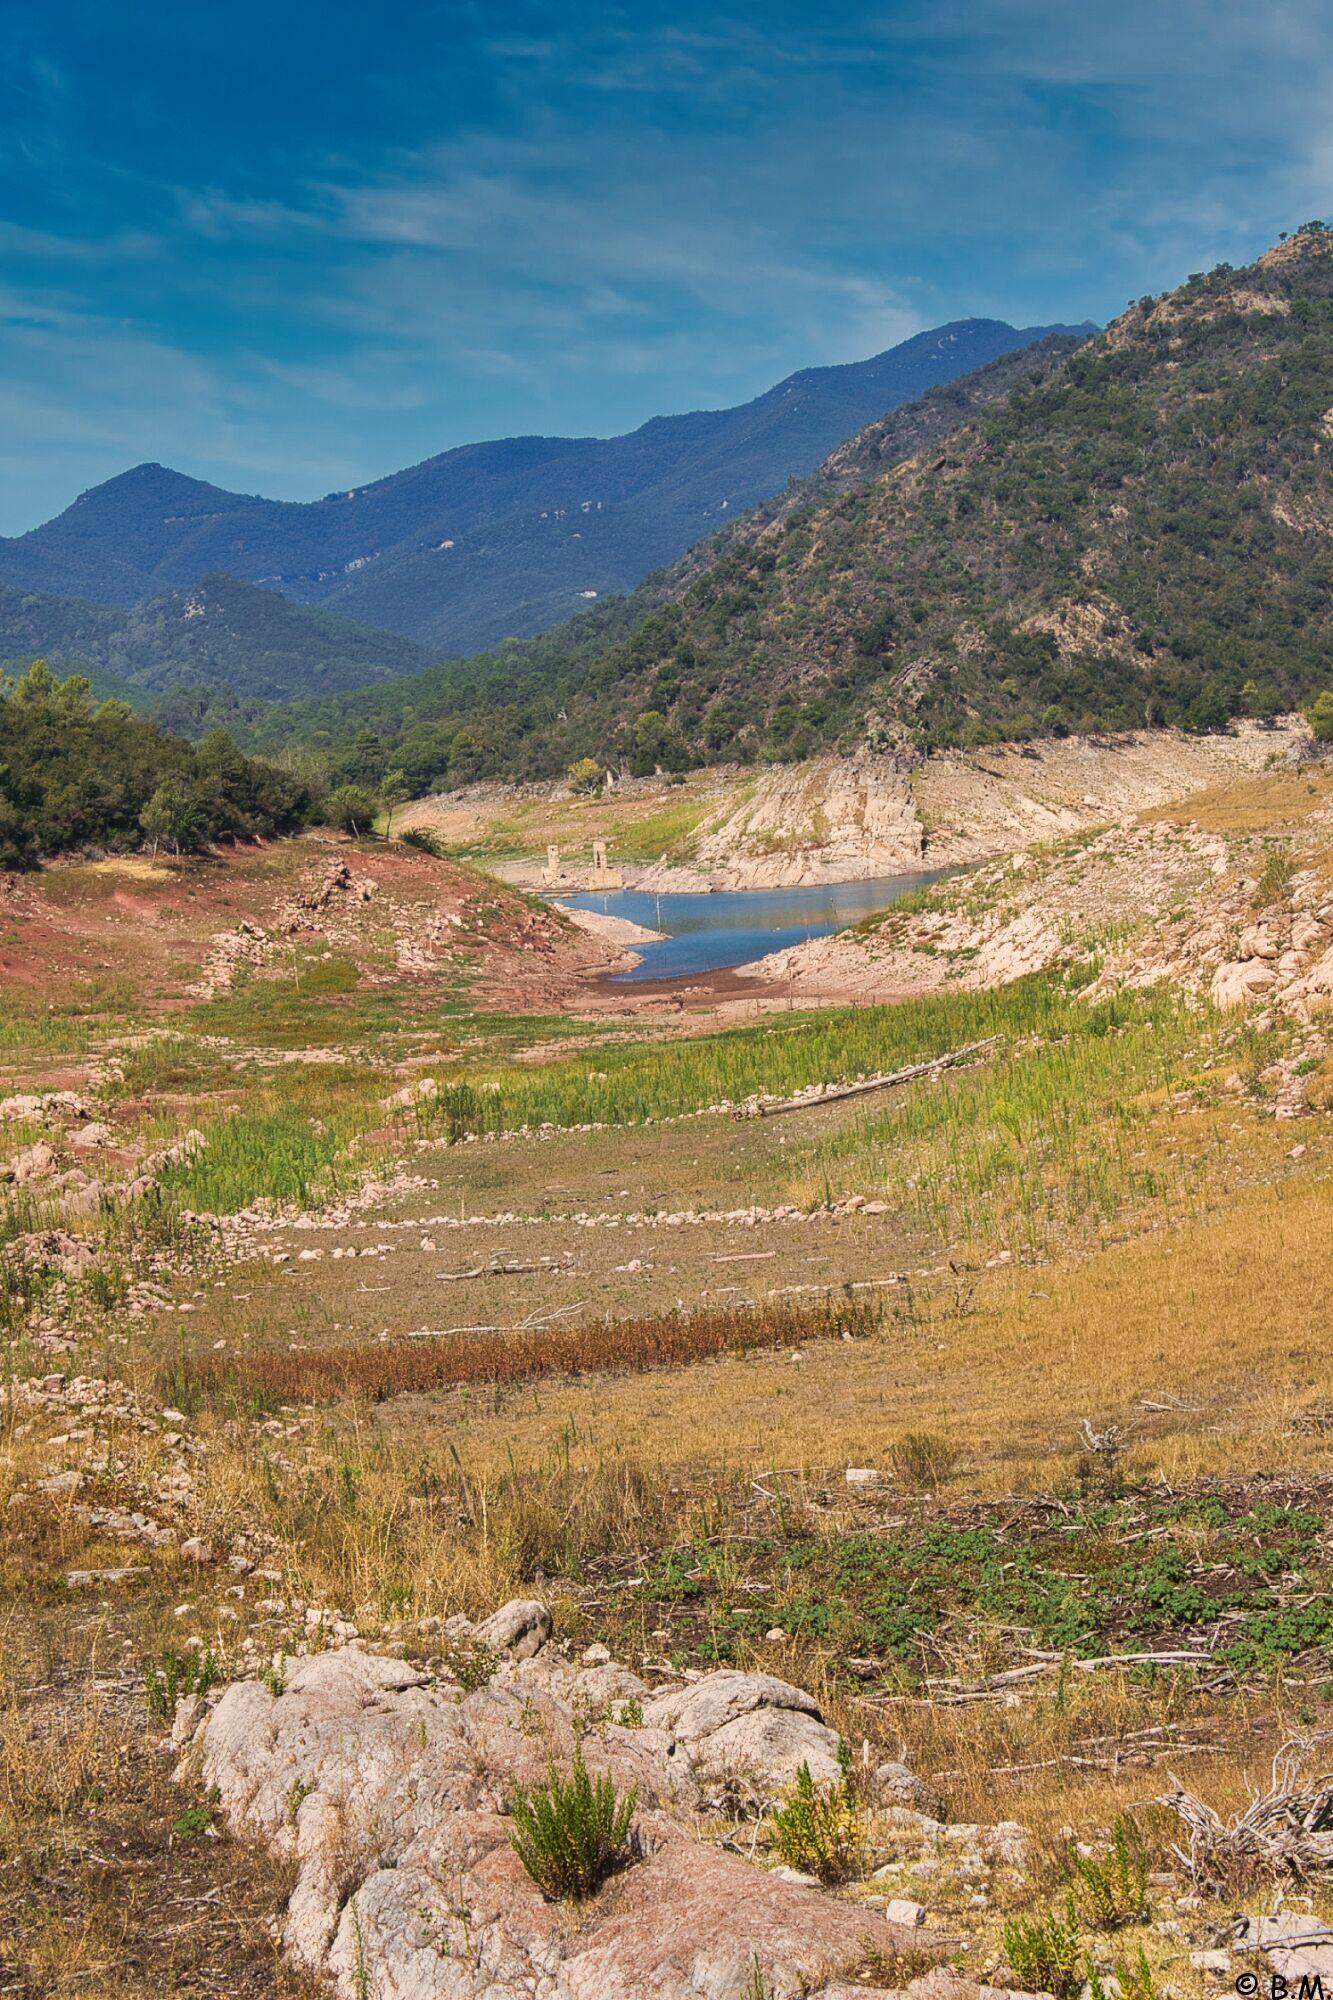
x,y
158,924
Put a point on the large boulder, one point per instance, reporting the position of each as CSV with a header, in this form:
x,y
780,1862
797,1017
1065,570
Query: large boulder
x,y
388,1790
520,1627
1237,983
753,1725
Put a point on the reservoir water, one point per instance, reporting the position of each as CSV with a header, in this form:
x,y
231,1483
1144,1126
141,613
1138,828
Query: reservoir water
x,y
708,932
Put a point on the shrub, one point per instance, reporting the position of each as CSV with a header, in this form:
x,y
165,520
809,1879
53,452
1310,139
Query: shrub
x,y
572,1833
1135,1981
350,807
176,1674
585,775
1320,716
1046,1952
423,840
1113,1892
1274,877
820,1832
471,1664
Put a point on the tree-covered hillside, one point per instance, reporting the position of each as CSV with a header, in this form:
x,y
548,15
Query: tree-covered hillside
x,y
76,776
507,711
1141,534
1138,533
492,539
220,632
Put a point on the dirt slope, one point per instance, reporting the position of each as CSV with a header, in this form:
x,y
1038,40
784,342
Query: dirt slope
x,y
181,931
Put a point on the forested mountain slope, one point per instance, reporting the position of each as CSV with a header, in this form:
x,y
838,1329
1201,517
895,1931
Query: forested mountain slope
x,y
493,539
1140,533
217,633
503,711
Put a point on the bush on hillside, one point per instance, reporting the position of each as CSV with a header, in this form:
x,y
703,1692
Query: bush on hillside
x,y
1320,715
352,808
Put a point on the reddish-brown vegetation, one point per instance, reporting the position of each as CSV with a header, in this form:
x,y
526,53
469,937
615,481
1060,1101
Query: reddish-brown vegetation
x,y
378,1369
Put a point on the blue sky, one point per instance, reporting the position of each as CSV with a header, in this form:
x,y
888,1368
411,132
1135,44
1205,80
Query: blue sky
x,y
291,247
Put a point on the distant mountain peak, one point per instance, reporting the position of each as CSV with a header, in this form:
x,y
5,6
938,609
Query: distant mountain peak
x,y
493,539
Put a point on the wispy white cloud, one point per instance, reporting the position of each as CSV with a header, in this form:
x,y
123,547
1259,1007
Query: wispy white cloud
x,y
621,209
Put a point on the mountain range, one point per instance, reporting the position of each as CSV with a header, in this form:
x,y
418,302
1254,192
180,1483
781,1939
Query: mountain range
x,y
489,540
1131,530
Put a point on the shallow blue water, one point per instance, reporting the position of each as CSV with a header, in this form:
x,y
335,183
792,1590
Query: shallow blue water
x,y
706,933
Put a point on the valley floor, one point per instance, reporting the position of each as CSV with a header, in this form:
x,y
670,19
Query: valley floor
x,y
363,1268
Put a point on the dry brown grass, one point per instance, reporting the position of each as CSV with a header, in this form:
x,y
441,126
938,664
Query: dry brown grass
x,y
1222,1322
1266,804
102,1896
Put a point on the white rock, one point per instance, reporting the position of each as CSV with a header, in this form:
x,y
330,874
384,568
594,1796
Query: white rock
x,y
903,1911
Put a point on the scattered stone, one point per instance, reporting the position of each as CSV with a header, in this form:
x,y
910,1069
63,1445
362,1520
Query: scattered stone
x,y
900,1910
896,1785
94,1579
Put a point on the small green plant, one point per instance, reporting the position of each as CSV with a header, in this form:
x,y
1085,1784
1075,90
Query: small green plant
x,y
274,1675
756,1986
360,1969
193,1824
1046,1952
572,1833
1113,1891
174,1674
299,1791
1274,880
471,1664
819,1832
1135,1981
631,1713
423,840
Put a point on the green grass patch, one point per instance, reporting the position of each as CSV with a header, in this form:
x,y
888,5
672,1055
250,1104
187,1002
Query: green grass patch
x,y
1127,1574
279,1155
1053,1135
627,1086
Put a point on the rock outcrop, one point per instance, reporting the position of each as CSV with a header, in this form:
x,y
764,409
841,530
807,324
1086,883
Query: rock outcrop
x,y
388,1785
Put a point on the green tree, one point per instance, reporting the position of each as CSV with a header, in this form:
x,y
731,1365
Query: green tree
x,y
465,757
584,775
1261,700
1320,716
1208,713
173,815
352,808
394,792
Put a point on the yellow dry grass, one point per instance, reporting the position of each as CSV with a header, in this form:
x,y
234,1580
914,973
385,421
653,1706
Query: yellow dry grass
x,y
1270,803
1222,1322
